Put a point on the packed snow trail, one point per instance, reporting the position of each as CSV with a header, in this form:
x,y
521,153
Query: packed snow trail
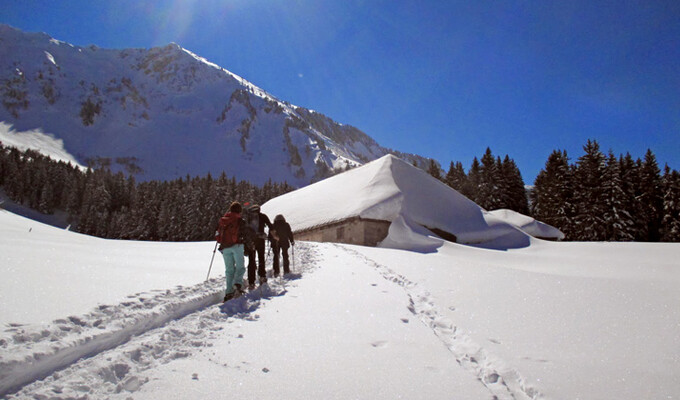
x,y
67,340
104,351
503,382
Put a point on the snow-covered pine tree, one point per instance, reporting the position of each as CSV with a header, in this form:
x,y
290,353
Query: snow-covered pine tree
x,y
552,197
515,197
13,182
670,227
473,181
456,177
589,198
94,212
619,225
434,170
651,198
630,178
488,190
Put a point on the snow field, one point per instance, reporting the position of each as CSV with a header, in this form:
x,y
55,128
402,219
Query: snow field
x,y
549,321
342,331
108,350
283,333
576,320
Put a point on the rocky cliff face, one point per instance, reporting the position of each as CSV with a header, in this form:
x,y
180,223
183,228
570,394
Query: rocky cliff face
x,y
166,112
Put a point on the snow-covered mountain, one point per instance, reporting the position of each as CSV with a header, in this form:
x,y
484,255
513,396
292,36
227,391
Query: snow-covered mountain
x,y
167,111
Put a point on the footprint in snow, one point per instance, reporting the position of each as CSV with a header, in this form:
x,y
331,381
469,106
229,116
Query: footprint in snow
x,y
379,344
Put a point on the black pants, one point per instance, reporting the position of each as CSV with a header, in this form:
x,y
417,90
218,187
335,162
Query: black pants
x,y
286,262
252,266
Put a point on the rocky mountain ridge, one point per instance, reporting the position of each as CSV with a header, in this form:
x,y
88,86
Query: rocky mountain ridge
x,y
165,112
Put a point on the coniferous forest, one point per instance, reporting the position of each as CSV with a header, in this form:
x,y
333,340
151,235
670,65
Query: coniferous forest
x,y
598,198
101,203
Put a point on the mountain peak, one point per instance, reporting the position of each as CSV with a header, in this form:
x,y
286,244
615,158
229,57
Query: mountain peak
x,y
171,111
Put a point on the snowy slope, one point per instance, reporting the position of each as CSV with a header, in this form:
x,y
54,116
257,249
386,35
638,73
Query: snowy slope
x,y
391,189
167,111
36,140
551,321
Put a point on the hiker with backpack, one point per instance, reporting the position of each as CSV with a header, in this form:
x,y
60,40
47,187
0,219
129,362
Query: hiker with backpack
x,y
281,240
256,220
232,234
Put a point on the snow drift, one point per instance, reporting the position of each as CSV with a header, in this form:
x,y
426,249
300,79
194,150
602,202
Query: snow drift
x,y
528,224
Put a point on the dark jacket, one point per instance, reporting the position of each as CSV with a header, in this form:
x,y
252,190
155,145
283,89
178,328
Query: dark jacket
x,y
283,232
264,221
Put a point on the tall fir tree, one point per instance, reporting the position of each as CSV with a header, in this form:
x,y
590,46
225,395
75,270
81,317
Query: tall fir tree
x,y
515,195
456,177
630,185
552,197
488,190
619,224
434,170
670,226
473,181
589,197
651,198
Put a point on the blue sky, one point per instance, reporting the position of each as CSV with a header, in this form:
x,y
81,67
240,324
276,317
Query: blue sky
x,y
443,79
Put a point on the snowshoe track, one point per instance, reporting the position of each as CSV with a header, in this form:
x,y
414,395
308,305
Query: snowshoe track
x,y
503,382
70,357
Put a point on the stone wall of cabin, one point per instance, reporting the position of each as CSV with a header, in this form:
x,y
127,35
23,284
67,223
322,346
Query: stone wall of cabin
x,y
364,232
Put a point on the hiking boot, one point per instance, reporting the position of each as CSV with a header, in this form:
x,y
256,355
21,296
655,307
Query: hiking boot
x,y
251,286
228,297
263,280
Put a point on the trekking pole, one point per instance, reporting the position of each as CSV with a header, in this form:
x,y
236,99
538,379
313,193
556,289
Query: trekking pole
x,y
293,259
211,261
266,254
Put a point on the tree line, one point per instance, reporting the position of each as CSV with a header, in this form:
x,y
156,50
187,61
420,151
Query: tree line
x,y
608,198
492,183
111,205
598,198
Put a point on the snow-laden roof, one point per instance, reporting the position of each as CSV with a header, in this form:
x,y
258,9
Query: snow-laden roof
x,y
528,224
391,189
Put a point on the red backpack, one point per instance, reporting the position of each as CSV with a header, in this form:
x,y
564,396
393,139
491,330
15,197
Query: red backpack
x,y
228,230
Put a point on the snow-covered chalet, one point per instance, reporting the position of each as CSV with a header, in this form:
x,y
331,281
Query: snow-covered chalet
x,y
388,202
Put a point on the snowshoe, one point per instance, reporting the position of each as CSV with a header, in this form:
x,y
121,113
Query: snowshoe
x,y
235,294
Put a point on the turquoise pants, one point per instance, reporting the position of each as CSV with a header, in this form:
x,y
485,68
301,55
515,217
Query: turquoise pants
x,y
234,266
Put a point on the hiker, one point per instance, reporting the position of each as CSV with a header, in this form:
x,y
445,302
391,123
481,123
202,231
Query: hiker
x,y
282,238
231,233
257,221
